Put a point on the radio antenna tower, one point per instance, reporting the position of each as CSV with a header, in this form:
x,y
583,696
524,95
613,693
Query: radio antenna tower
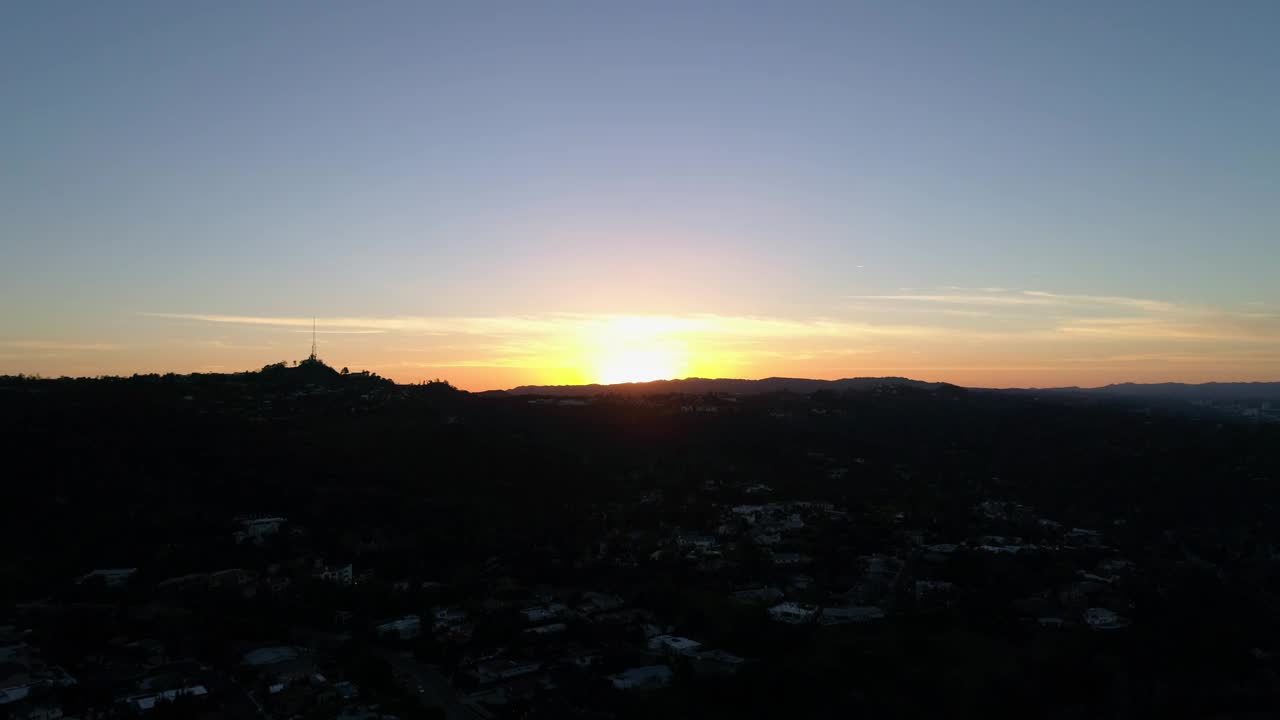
x,y
313,340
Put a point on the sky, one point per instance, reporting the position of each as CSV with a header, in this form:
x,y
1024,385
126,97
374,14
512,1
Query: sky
x,y
505,193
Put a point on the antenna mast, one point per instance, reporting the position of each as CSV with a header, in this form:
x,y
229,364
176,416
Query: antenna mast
x,y
313,338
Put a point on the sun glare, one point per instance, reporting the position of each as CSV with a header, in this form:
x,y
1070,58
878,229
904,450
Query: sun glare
x,y
634,349
638,366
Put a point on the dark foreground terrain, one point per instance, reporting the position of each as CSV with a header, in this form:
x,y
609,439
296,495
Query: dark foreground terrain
x,y
298,543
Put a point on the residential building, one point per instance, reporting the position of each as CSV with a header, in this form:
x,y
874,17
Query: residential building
x,y
674,645
845,615
793,613
406,628
642,678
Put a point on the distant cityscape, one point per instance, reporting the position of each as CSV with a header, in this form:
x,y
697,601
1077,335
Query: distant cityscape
x,y
307,542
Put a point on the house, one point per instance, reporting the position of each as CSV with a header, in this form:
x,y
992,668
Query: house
x,y
1085,537
1114,566
16,686
147,701
543,613
270,655
758,595
1001,549
701,543
791,559
674,645
497,670
256,529
853,614
642,678
766,538
1104,619
230,577
112,577
447,618
344,575
184,582
406,628
364,713
793,613
929,592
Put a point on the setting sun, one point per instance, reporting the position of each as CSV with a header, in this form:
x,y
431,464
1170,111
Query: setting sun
x,y
637,349
638,366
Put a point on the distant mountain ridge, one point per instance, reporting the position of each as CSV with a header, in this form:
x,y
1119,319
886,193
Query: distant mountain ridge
x,y
731,386
1202,392
1190,392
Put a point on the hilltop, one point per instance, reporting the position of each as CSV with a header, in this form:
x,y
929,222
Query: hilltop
x,y
731,386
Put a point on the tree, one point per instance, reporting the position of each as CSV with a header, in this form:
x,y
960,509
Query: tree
x,y
345,371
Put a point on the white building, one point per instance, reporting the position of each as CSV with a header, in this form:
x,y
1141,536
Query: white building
x,y
255,529
551,629
674,645
270,655
844,615
113,577
406,628
931,589
1104,619
543,613
344,575
766,539
447,618
642,678
697,542
792,612
148,701
789,559
496,670
603,601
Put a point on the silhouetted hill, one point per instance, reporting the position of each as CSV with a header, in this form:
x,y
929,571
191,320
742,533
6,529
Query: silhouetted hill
x,y
731,386
309,372
1212,392
279,376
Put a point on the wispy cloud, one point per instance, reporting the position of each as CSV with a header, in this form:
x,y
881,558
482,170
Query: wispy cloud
x,y
1192,326
1104,300
57,345
1003,297
1202,358
339,332
575,323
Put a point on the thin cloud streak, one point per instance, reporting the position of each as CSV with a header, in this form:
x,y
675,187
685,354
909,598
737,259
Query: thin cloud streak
x,y
559,323
1002,297
47,345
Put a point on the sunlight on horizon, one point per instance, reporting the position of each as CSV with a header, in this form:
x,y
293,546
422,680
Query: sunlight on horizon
x,y
635,349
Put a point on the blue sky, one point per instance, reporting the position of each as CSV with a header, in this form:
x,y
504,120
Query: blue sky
x,y
796,163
